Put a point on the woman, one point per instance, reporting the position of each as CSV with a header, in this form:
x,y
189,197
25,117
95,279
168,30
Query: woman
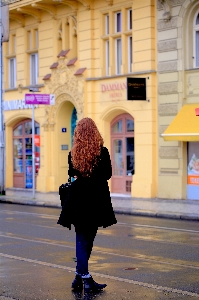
x,y
89,205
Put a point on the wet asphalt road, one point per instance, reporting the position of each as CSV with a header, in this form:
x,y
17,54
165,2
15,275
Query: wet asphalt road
x,y
139,258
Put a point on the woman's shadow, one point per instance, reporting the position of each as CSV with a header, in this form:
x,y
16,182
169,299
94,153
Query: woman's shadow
x,y
87,296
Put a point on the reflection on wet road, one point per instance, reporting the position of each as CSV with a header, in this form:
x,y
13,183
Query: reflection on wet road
x,y
138,258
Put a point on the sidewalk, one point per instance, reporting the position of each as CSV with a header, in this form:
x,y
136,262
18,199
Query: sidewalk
x,y
165,208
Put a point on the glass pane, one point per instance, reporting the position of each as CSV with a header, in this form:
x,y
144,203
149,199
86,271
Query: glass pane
x,y
117,127
118,158
107,24
197,20
130,54
119,55
28,152
18,156
129,125
107,58
18,131
118,22
130,156
28,128
197,48
37,128
130,19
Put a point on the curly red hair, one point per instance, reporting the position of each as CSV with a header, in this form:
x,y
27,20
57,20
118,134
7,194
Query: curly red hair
x,y
86,147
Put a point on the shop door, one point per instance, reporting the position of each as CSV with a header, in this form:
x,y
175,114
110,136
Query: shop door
x,y
22,152
122,153
193,171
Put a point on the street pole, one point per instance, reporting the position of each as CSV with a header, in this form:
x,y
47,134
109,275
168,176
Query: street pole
x,y
33,151
2,145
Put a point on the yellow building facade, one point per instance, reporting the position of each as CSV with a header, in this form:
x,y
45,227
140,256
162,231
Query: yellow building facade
x,y
82,52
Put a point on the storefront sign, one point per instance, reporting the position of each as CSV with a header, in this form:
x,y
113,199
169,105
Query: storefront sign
x,y
43,99
37,140
113,91
136,88
16,104
64,147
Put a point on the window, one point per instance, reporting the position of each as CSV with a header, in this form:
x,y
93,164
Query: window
x,y
107,58
117,42
33,68
130,54
12,72
118,55
118,22
196,33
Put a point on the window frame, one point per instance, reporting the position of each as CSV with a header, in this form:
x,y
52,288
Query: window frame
x,y
195,30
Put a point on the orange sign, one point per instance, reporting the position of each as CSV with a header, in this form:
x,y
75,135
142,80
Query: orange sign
x,y
37,140
193,179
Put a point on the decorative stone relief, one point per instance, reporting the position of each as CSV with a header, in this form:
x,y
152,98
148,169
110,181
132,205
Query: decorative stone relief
x,y
193,84
172,3
168,110
168,152
167,45
66,87
168,88
172,23
166,5
169,66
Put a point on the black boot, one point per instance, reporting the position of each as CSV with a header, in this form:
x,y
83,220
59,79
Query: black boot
x,y
91,286
77,283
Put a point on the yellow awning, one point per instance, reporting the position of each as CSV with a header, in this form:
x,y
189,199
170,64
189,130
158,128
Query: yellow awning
x,y
185,126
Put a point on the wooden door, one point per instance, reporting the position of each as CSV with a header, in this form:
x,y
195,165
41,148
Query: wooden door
x,y
122,153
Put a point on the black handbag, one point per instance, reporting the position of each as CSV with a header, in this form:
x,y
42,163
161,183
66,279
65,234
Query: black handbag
x,y
64,191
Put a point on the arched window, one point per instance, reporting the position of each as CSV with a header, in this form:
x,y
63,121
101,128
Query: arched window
x,y
196,40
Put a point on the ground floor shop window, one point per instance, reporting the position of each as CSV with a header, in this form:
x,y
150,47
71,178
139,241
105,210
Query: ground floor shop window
x,y
193,171
22,153
122,153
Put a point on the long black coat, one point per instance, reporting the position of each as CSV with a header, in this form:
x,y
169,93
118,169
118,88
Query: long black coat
x,y
89,202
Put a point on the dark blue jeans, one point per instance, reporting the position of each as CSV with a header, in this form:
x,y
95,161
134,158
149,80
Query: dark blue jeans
x,y
84,244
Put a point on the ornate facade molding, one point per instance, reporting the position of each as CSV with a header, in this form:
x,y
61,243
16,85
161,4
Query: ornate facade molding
x,y
66,87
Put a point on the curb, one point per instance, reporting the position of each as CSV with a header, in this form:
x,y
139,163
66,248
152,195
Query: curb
x,y
165,215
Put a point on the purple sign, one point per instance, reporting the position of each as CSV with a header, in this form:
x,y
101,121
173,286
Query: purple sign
x,y
44,99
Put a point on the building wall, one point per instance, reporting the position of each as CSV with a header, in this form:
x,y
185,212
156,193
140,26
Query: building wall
x,y
176,70
80,27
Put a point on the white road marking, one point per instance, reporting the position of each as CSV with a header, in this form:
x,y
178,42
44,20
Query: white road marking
x,y
144,284
119,223
105,252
